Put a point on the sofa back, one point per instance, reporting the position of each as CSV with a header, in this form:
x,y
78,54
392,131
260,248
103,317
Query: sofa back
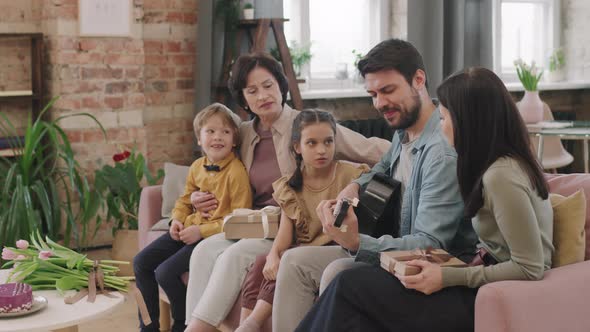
x,y
567,184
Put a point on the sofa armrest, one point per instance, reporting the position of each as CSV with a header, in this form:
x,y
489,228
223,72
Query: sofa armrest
x,y
150,211
559,302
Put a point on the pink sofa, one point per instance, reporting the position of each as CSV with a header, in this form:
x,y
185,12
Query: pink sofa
x,y
559,302
150,207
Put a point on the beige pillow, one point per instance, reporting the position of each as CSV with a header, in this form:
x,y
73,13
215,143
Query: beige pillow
x,y
569,217
173,186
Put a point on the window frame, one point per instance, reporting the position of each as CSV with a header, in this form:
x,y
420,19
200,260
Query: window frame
x,y
300,19
551,31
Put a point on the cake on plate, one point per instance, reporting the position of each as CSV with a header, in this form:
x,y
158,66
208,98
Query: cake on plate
x,y
15,297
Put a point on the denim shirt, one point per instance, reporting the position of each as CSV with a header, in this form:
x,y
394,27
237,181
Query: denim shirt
x,y
432,207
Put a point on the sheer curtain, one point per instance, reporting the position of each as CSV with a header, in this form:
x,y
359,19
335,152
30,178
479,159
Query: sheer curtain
x,y
451,35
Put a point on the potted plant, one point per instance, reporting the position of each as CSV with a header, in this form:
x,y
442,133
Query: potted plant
x,y
248,11
531,105
300,56
43,184
121,186
357,77
556,68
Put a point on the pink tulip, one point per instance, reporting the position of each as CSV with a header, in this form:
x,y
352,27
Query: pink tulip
x,y
8,254
45,254
21,257
22,244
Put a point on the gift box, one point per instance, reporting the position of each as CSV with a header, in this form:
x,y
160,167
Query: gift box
x,y
252,224
395,261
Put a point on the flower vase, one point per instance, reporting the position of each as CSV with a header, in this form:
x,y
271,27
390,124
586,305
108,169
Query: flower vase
x,y
531,107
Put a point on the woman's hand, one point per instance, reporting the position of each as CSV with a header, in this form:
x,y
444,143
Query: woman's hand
x,y
175,227
204,202
428,281
348,239
271,267
190,235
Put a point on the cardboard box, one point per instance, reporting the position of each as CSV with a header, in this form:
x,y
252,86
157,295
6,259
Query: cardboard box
x,y
250,224
395,261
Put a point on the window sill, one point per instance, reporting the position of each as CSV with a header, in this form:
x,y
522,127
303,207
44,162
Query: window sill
x,y
334,93
550,86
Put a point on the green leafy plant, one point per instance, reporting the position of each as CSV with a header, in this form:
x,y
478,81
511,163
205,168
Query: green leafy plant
x,y
43,183
529,76
48,265
120,185
556,60
357,57
300,55
248,5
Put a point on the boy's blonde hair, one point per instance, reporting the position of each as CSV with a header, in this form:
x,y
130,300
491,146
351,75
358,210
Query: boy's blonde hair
x,y
228,117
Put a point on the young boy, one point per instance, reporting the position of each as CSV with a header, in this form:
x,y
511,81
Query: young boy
x,y
220,172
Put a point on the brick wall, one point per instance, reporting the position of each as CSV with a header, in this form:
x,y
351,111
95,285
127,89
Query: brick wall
x,y
140,88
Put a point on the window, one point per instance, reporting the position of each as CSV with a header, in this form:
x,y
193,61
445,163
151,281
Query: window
x,y
333,29
526,29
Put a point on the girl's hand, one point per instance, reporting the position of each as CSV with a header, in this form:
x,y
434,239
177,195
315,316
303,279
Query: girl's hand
x,y
349,239
175,227
190,235
428,281
271,267
204,202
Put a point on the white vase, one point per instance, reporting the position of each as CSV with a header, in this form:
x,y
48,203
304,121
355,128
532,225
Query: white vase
x,y
249,14
531,107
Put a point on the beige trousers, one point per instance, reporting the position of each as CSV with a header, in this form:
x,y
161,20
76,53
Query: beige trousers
x,y
217,270
298,282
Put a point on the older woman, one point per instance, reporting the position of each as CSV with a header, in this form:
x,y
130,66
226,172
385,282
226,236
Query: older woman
x,y
218,266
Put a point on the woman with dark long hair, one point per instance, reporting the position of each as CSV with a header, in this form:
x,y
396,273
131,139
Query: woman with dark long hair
x,y
506,197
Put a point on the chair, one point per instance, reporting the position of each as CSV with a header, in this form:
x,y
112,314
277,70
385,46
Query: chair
x,y
554,154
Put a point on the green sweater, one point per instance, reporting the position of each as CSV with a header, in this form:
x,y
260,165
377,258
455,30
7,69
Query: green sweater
x,y
515,226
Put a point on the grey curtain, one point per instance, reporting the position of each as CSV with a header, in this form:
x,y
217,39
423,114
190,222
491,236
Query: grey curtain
x,y
451,35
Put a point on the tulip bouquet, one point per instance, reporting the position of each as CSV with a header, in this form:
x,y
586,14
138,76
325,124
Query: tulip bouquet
x,y
48,265
529,76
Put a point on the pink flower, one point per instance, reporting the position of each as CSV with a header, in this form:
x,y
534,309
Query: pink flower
x,y
22,244
21,257
45,254
8,254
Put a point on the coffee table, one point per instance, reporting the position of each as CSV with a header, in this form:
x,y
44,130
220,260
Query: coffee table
x,y
58,316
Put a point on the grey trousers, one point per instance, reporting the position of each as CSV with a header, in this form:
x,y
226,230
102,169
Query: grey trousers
x,y
298,282
217,270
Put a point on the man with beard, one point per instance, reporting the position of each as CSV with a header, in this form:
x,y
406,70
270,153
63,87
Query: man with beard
x,y
419,157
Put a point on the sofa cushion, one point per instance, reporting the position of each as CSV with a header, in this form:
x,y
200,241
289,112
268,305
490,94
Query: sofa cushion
x,y
569,218
162,225
173,186
567,184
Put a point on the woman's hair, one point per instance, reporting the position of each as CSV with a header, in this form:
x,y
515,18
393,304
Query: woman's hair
x,y
393,54
305,118
486,127
244,65
229,118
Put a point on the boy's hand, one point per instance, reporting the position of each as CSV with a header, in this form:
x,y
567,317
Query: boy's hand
x,y
175,228
348,239
190,235
204,202
271,267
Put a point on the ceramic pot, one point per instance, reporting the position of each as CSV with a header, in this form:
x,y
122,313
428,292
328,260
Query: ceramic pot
x,y
249,14
531,107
